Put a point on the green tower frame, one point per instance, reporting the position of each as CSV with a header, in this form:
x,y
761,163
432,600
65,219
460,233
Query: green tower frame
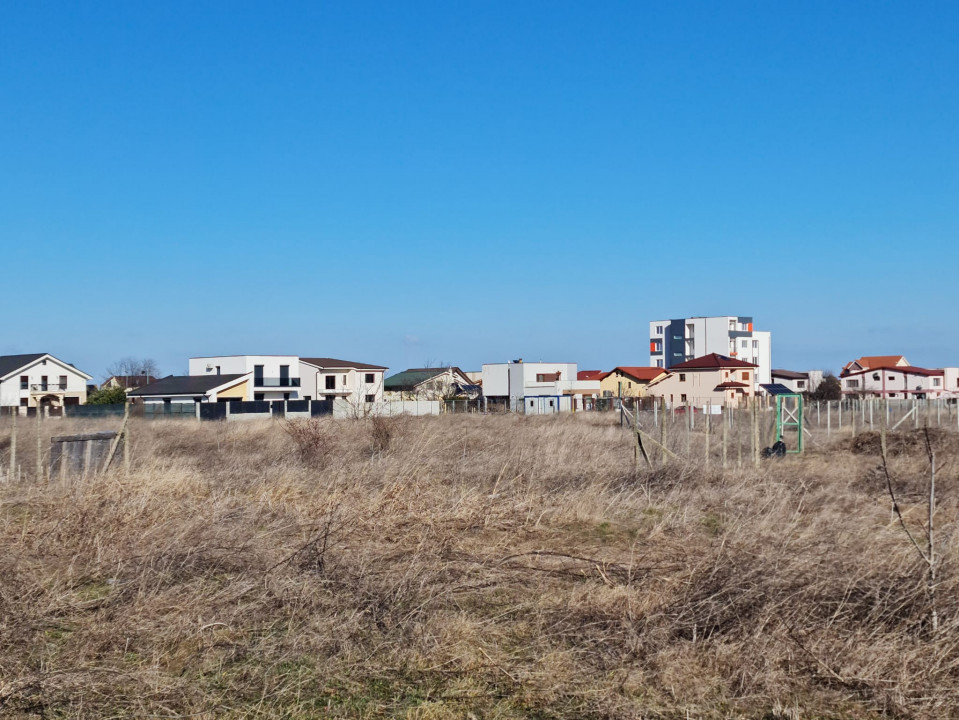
x,y
789,416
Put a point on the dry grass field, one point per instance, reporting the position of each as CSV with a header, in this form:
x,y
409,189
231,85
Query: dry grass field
x,y
472,567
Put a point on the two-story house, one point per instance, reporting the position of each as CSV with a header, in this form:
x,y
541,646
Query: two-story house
x,y
330,378
40,380
712,380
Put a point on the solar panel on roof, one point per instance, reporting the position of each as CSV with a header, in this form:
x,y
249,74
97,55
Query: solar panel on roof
x,y
778,389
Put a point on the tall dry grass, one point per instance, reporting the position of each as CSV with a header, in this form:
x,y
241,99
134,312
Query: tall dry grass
x,y
501,566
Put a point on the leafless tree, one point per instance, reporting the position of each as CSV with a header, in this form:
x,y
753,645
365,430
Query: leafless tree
x,y
134,366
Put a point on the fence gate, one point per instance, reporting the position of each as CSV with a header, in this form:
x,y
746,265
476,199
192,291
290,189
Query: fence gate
x,y
789,418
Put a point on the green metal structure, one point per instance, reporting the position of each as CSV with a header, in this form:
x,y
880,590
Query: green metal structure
x,y
789,409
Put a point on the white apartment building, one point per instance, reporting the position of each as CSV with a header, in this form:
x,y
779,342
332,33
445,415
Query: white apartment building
x,y
537,387
675,341
40,379
290,377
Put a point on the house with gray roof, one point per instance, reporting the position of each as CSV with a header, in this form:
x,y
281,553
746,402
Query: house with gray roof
x,y
40,380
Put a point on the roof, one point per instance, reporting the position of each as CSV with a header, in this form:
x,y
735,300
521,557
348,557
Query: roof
x,y
591,374
12,363
871,362
730,384
904,369
777,389
642,373
186,384
710,362
790,375
333,363
408,379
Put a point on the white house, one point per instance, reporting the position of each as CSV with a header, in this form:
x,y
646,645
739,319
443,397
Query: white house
x,y
537,387
330,378
40,379
674,341
272,377
290,377
891,376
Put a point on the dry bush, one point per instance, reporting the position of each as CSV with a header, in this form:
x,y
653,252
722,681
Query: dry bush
x,y
312,439
381,433
503,566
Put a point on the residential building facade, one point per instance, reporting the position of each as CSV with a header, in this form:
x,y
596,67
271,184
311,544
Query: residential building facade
x,y
798,382
710,381
628,381
891,376
429,384
538,387
678,340
330,378
40,380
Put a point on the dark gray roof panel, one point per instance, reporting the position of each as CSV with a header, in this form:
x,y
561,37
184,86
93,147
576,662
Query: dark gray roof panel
x,y
11,363
185,385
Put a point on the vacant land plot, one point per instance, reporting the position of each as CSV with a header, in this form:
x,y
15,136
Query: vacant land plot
x,y
488,567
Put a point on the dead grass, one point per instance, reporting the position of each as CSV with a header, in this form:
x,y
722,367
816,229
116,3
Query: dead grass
x,y
502,566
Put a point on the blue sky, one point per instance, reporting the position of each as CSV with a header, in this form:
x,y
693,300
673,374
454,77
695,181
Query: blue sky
x,y
471,182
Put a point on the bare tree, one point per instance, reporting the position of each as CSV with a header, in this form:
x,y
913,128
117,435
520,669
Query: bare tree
x,y
134,366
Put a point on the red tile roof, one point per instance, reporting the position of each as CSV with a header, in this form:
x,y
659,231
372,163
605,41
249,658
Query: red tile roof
x,y
642,373
591,375
729,384
871,362
710,362
904,369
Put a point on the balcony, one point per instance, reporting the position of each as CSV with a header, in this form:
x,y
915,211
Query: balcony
x,y
276,382
48,387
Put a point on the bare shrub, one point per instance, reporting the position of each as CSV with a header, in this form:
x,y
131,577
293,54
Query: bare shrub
x,y
313,440
381,433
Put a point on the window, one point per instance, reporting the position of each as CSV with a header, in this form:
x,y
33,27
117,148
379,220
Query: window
x,y
284,376
344,381
217,369
257,374
875,376
24,402
331,382
257,397
853,383
682,377
659,364
43,382
659,329
800,384
682,398
743,344
755,344
369,378
745,376
167,401
936,382
370,398
892,395
286,396
63,382
24,382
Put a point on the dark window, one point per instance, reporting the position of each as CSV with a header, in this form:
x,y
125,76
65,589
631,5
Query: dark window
x,y
24,402
217,369
682,377
24,382
63,382
682,398
257,397
331,382
369,378
43,382
257,372
370,398
167,401
286,396
284,375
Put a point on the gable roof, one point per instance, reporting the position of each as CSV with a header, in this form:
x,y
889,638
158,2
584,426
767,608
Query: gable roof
x,y
641,373
186,384
870,362
711,362
591,375
334,364
904,369
408,379
11,363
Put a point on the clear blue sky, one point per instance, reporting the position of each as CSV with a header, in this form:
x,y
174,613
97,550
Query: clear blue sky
x,y
470,182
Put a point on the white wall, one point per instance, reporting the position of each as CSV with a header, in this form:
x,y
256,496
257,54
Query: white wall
x,y
10,392
242,364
